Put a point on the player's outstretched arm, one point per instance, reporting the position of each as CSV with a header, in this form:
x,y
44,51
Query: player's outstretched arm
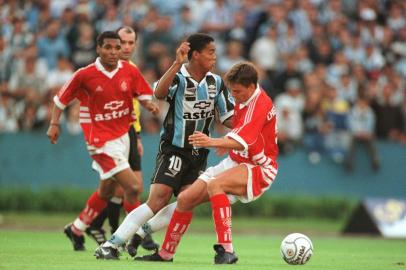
x,y
162,88
54,128
199,139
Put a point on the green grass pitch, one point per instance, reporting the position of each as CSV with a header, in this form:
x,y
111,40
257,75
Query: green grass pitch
x,y
49,249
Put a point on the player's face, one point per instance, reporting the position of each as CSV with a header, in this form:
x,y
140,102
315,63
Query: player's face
x,y
128,43
240,92
109,52
207,57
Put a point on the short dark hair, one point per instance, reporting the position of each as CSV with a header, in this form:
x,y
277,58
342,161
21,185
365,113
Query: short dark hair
x,y
244,73
198,42
128,30
106,34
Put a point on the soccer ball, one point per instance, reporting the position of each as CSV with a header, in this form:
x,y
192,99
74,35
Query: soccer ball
x,y
296,248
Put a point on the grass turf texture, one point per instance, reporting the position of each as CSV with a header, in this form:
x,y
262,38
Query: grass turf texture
x,y
47,248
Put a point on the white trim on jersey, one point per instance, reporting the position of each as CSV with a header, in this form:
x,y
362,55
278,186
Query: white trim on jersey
x,y
109,74
237,137
145,97
58,103
226,116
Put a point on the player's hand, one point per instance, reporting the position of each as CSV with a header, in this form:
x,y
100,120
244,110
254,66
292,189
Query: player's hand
x,y
181,52
53,133
140,147
199,139
150,106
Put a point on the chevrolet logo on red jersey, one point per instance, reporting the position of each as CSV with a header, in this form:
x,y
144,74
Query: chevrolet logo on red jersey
x,y
113,105
202,105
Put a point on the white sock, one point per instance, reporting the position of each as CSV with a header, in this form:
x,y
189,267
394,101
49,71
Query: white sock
x,y
130,225
158,222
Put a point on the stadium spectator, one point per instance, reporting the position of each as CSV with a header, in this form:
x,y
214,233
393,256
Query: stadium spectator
x,y
52,44
362,128
289,108
116,83
245,174
194,93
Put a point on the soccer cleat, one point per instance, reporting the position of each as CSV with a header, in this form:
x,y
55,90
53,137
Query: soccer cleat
x,y
98,234
106,253
77,241
133,245
154,257
223,257
149,244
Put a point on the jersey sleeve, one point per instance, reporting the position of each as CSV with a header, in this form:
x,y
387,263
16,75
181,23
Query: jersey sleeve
x,y
172,89
141,88
224,103
69,90
246,131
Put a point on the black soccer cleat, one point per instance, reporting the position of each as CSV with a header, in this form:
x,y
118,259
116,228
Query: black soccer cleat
x,y
77,241
149,244
223,257
106,253
154,257
97,234
133,245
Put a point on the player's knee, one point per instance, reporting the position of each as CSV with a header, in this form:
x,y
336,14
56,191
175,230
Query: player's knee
x,y
213,186
132,191
106,193
185,200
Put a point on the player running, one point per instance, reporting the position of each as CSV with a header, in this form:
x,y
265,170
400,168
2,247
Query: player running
x,y
105,90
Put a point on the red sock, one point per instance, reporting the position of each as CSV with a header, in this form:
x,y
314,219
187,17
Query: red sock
x,y
128,207
222,220
94,205
178,225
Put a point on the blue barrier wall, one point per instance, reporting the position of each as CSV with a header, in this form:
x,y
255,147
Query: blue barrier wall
x,y
29,160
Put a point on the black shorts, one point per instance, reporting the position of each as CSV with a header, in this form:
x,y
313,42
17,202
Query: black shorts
x,y
177,167
134,158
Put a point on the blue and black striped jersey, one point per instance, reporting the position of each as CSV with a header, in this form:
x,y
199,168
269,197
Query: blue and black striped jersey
x,y
194,105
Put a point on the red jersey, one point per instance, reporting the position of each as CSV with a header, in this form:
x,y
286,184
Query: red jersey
x,y
255,128
105,99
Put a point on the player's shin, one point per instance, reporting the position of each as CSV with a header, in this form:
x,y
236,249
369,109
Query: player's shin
x,y
130,225
94,205
158,222
221,210
177,227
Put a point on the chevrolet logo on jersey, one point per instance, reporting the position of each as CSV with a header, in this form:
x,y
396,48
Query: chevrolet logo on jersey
x,y
198,110
202,105
113,105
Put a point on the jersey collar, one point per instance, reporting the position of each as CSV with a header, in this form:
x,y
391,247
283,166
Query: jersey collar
x,y
256,93
109,74
186,73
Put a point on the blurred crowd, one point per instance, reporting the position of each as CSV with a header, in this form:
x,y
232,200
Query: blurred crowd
x,y
336,69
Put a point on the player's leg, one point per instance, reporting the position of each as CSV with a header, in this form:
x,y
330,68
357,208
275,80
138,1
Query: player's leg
x,y
94,205
156,223
159,196
136,150
164,183
231,181
112,212
191,196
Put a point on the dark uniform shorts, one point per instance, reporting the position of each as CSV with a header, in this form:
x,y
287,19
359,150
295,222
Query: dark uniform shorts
x,y
177,167
134,158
